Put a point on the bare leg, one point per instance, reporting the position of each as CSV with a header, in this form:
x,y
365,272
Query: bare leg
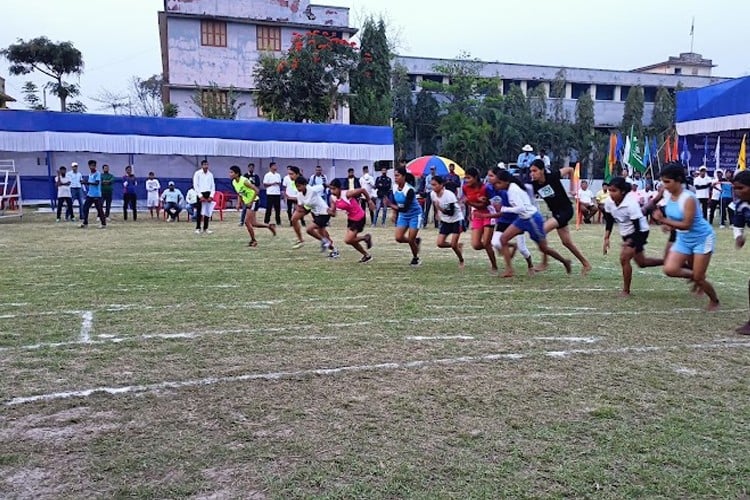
x,y
250,230
564,234
510,233
299,213
700,266
627,269
487,243
354,241
412,240
745,329
546,250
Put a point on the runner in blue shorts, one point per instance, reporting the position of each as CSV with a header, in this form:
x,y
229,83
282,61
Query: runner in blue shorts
x,y
695,236
529,221
407,212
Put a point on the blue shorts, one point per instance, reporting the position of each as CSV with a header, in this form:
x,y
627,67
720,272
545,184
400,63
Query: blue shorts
x,y
694,246
411,220
534,226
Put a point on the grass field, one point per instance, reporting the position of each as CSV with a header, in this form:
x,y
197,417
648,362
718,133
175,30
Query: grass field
x,y
146,361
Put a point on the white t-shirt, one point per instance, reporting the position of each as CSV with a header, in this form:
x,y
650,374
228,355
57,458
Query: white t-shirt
x,y
368,184
312,200
272,178
290,190
545,159
191,196
625,213
443,201
63,191
702,186
152,186
75,179
585,196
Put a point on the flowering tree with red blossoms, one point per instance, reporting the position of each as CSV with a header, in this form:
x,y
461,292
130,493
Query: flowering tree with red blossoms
x,y
305,83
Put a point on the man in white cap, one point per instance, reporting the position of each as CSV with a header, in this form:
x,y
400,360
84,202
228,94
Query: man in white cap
x,y
76,187
523,162
172,201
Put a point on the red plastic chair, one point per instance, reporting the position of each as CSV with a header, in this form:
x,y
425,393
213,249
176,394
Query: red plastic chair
x,y
220,200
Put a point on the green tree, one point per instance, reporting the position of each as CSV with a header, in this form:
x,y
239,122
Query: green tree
x,y
146,96
515,103
557,94
55,60
31,96
402,111
537,102
76,107
426,122
371,80
214,102
304,83
466,87
662,120
633,115
584,129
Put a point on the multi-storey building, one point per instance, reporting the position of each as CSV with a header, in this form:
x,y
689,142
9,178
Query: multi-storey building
x,y
206,42
608,88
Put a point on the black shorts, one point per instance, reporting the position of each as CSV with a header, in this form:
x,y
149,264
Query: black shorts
x,y
355,225
500,227
672,236
563,217
636,240
321,220
447,228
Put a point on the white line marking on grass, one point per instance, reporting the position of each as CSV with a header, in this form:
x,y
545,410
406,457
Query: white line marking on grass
x,y
160,386
686,371
86,324
585,340
444,337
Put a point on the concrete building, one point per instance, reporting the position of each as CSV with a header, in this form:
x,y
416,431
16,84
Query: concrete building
x,y
687,63
221,41
608,88
4,98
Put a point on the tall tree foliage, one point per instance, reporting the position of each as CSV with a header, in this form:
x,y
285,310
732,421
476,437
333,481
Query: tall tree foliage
x,y
402,111
216,103
537,101
584,128
662,119
633,115
31,97
426,123
55,60
304,83
557,93
465,86
371,80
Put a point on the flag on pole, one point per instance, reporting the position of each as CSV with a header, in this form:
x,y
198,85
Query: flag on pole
x,y
742,159
675,148
607,169
612,155
619,148
646,152
685,155
668,150
575,187
692,28
717,154
633,159
705,151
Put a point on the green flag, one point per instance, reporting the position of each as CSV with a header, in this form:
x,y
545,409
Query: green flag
x,y
634,159
607,170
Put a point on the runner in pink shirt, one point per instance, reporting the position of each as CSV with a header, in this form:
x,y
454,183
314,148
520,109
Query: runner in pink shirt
x,y
348,201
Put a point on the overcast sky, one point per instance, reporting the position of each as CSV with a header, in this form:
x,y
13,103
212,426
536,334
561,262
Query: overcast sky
x,y
119,38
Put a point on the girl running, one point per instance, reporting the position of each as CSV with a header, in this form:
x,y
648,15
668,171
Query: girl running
x,y
695,236
498,198
348,201
529,220
547,184
741,187
450,215
622,207
310,198
249,193
482,225
406,212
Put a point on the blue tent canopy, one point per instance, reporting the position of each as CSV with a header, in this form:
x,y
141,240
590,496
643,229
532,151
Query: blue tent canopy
x,y
29,131
715,108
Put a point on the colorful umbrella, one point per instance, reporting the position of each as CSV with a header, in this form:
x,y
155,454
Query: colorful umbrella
x,y
421,166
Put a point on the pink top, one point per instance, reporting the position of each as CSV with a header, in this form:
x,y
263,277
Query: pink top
x,y
351,206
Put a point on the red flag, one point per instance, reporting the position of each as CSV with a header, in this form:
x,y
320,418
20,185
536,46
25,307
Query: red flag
x,y
668,150
675,150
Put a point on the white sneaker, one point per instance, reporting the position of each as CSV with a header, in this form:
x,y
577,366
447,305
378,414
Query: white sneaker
x,y
208,231
197,231
722,226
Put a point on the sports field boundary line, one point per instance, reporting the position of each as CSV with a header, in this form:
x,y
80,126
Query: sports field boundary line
x,y
157,387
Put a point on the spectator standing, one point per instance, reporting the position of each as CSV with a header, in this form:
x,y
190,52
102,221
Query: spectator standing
x,y
255,180
93,196
76,187
203,183
543,156
702,185
62,181
726,199
108,185
129,197
272,183
383,187
452,180
367,182
428,198
152,194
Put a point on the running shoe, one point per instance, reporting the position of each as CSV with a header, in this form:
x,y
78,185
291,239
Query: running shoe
x,y
197,231
324,244
365,259
415,262
298,244
334,254
208,231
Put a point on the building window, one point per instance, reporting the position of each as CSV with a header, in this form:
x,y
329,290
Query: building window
x,y
678,71
578,89
269,38
214,102
213,33
624,91
649,94
605,92
508,83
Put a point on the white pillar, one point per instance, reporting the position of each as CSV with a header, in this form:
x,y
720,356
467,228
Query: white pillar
x,y
618,93
569,91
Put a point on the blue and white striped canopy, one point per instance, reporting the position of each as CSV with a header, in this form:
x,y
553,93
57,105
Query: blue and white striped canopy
x,y
716,108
